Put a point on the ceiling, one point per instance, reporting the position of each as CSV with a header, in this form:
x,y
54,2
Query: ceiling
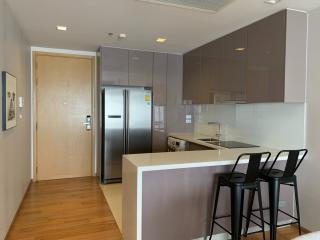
x,y
90,21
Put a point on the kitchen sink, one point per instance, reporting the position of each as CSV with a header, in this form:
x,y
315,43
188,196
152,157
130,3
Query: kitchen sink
x,y
208,140
231,144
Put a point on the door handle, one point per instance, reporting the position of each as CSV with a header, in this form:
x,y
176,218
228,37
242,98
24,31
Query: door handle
x,y
88,123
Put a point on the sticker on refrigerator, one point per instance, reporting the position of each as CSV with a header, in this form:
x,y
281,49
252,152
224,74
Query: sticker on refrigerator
x,y
147,98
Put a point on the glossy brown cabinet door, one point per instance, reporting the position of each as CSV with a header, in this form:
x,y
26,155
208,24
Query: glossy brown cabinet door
x,y
212,72
266,59
140,68
114,66
159,136
234,66
192,77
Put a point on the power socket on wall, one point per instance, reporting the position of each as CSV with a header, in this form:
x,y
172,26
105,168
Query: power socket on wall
x,y
188,119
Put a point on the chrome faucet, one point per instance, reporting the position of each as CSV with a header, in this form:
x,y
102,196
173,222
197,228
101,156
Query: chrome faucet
x,y
218,135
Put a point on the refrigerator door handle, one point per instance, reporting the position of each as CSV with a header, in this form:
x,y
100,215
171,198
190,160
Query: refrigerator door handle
x,y
125,122
127,107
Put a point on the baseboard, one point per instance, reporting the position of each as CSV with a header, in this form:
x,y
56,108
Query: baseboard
x,y
225,236
305,230
16,214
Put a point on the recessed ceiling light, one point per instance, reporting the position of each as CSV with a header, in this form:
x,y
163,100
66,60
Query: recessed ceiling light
x,y
240,49
161,40
122,35
62,28
272,1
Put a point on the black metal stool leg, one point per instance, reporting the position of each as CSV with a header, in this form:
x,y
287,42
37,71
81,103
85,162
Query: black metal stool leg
x,y
237,194
249,211
297,203
261,210
215,209
274,192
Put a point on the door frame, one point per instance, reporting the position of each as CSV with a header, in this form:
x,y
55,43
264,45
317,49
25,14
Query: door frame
x,y
94,103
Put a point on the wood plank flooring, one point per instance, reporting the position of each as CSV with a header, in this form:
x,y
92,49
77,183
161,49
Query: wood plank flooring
x,y
75,209
66,209
285,233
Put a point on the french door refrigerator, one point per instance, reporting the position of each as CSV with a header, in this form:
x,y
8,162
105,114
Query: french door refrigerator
x,y
126,127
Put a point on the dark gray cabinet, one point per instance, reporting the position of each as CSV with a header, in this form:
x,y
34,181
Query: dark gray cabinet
x,y
192,79
140,68
114,66
234,66
159,137
267,59
263,62
159,79
197,147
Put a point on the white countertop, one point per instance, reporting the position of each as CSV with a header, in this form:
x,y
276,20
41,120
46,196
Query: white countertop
x,y
190,159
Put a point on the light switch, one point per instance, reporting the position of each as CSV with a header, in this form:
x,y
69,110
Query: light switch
x,y
20,102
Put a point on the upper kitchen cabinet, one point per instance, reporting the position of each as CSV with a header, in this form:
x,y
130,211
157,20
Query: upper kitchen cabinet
x,y
234,66
114,66
140,68
211,55
192,77
267,59
160,79
277,58
263,62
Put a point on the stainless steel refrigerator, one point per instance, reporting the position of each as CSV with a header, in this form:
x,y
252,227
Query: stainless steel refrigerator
x,y
126,127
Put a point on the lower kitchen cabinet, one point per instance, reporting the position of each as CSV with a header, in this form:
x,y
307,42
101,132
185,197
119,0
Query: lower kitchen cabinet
x,y
197,147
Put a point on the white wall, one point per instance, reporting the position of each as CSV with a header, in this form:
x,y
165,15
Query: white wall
x,y
274,125
14,144
310,170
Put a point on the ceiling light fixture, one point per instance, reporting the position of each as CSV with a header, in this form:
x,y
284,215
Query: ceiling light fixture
x,y
122,35
240,49
272,1
161,40
62,28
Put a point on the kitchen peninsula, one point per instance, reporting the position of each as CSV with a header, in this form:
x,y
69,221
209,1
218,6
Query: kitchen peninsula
x,y
169,195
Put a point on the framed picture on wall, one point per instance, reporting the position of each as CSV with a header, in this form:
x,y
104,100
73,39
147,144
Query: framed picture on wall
x,y
9,101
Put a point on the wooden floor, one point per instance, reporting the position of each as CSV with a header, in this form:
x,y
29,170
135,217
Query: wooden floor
x,y
75,209
69,209
286,233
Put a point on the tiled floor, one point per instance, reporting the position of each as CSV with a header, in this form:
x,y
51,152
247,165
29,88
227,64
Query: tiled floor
x,y
113,195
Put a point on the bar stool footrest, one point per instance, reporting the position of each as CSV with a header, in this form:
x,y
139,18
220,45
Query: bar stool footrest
x,y
286,224
229,232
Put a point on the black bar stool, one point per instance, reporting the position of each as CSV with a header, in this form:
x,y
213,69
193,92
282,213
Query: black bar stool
x,y
276,177
238,183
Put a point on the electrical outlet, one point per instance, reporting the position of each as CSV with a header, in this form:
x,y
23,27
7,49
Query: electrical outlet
x,y
188,119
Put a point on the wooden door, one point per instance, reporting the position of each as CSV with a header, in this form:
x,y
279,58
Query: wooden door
x,y
63,88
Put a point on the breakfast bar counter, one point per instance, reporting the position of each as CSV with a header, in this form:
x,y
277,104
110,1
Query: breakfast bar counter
x,y
169,195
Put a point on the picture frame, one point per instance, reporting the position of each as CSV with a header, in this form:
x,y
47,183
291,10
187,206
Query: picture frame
x,y
9,101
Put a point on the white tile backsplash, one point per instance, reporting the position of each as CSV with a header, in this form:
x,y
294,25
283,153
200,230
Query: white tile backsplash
x,y
275,125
